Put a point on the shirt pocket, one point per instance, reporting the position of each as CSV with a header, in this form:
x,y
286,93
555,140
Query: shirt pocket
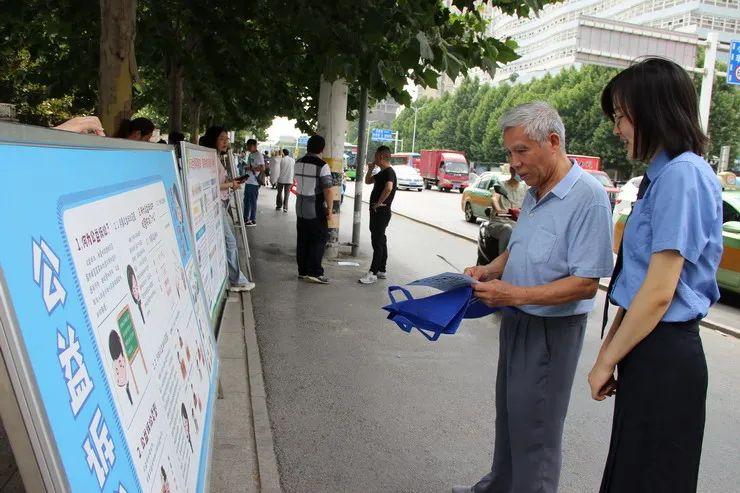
x,y
541,245
639,230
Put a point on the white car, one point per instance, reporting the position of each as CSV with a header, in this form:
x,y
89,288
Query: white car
x,y
408,178
626,197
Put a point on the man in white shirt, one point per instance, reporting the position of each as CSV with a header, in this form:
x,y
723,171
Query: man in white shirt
x,y
253,167
284,180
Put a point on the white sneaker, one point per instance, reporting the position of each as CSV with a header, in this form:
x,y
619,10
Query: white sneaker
x,y
242,287
369,278
382,275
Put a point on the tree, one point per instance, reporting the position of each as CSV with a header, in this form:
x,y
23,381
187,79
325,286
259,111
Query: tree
x,y
117,61
48,58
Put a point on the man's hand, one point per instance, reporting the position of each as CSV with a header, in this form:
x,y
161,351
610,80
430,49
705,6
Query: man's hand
x,y
602,381
376,205
83,125
478,272
497,293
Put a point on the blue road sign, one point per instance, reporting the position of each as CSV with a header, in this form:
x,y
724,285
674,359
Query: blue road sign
x,y
303,140
381,135
733,67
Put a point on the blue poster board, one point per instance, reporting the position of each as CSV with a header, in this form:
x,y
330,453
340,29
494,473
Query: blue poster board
x,y
105,308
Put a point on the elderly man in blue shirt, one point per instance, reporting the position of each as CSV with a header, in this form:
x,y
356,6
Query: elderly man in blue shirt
x,y
547,279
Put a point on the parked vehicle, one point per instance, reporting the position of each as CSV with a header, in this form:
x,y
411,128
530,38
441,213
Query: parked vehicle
x,y
604,179
408,178
626,196
446,169
592,163
476,202
728,274
407,158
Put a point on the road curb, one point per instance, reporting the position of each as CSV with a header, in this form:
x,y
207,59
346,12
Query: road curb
x,y
725,329
269,475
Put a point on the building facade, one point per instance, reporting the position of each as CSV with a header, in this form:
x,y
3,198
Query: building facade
x,y
548,43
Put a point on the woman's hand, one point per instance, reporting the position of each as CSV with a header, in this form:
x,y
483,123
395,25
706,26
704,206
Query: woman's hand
x,y
602,381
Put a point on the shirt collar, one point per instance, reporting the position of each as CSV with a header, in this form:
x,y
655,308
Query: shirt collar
x,y
565,185
657,165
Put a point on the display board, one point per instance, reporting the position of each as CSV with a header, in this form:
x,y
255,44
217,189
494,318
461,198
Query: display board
x,y
103,321
200,173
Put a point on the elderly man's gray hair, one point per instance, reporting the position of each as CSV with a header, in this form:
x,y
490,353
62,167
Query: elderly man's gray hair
x,y
538,119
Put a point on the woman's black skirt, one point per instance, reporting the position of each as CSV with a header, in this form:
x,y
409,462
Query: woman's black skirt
x,y
659,413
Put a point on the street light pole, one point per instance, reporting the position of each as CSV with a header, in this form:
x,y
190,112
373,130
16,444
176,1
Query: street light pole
x,y
360,172
413,138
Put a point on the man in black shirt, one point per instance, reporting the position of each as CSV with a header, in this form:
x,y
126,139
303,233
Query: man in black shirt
x,y
384,190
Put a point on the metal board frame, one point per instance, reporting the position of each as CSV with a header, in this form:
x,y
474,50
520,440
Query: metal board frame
x,y
222,293
238,196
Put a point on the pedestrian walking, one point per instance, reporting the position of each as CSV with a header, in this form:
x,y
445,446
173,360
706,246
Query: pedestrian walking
x,y
547,278
314,210
664,282
285,181
384,190
217,138
254,166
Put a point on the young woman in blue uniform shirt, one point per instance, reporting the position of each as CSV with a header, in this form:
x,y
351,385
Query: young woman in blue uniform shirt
x,y
663,283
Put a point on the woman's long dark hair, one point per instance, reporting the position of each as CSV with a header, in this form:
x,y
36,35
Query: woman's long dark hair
x,y
210,138
658,97
127,127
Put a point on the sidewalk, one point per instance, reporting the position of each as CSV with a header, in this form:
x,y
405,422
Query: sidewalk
x,y
243,454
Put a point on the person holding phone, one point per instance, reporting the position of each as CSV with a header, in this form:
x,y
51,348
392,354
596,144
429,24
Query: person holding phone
x,y
217,138
664,282
384,190
507,198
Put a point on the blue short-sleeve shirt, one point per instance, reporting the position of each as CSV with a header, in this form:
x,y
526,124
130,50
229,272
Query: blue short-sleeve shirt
x,y
681,210
567,233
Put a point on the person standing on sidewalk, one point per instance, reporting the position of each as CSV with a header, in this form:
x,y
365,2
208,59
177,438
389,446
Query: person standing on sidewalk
x,y
547,277
284,181
253,167
313,208
275,159
381,198
664,282
217,138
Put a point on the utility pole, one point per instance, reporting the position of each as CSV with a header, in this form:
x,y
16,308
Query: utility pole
x,y
359,172
413,139
332,125
707,80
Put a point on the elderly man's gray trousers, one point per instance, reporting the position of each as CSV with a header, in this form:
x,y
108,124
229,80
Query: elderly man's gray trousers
x,y
536,366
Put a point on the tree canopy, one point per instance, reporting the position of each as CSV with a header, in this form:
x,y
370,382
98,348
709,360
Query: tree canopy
x,y
467,119
241,63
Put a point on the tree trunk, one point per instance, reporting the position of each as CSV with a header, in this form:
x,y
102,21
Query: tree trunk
x,y
176,75
118,69
194,118
332,125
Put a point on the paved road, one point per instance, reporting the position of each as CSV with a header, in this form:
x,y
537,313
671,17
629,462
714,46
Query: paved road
x,y
443,210
358,406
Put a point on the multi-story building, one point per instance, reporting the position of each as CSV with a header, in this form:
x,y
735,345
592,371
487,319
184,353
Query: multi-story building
x,y
547,42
